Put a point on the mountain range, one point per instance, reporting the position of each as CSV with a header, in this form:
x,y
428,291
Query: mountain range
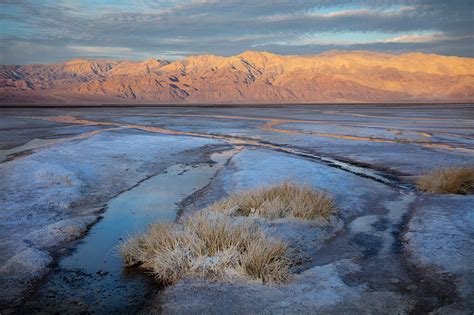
x,y
251,77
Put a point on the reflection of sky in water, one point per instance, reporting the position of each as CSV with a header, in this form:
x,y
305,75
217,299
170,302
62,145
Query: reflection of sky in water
x,y
130,212
94,274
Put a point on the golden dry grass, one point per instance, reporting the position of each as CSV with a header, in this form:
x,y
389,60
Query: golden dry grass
x,y
284,200
208,246
451,180
264,259
214,244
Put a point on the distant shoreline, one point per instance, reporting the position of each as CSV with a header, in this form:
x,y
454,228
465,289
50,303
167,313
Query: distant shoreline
x,y
244,105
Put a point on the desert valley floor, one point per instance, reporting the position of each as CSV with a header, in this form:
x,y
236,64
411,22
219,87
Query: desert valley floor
x,y
78,181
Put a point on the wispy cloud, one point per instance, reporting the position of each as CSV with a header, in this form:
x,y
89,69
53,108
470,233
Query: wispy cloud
x,y
58,30
426,38
100,50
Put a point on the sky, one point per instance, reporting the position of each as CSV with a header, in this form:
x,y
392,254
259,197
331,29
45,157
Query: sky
x,y
47,31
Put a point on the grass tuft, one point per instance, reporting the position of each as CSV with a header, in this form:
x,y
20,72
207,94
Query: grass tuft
x,y
130,250
208,246
283,200
451,180
215,244
264,259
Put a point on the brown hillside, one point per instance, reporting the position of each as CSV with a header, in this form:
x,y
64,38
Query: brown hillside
x,y
251,77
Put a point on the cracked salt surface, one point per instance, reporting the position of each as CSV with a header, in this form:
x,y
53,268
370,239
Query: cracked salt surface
x,y
109,162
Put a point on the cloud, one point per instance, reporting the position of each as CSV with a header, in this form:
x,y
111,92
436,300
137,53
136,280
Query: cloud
x,y
124,29
426,38
99,50
416,38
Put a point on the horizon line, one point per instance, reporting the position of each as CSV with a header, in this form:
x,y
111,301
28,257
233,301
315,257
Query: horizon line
x,y
85,58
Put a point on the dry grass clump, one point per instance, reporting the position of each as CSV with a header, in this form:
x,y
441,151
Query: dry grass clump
x,y
451,180
286,199
262,259
214,244
208,246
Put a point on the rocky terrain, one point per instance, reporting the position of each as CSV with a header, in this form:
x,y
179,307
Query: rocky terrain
x,y
251,77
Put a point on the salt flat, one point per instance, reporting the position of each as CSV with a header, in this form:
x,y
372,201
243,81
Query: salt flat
x,y
61,167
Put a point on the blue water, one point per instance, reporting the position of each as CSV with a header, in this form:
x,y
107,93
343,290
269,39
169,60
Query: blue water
x,y
93,278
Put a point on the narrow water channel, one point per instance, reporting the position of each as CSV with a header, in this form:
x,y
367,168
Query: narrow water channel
x,y
92,278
